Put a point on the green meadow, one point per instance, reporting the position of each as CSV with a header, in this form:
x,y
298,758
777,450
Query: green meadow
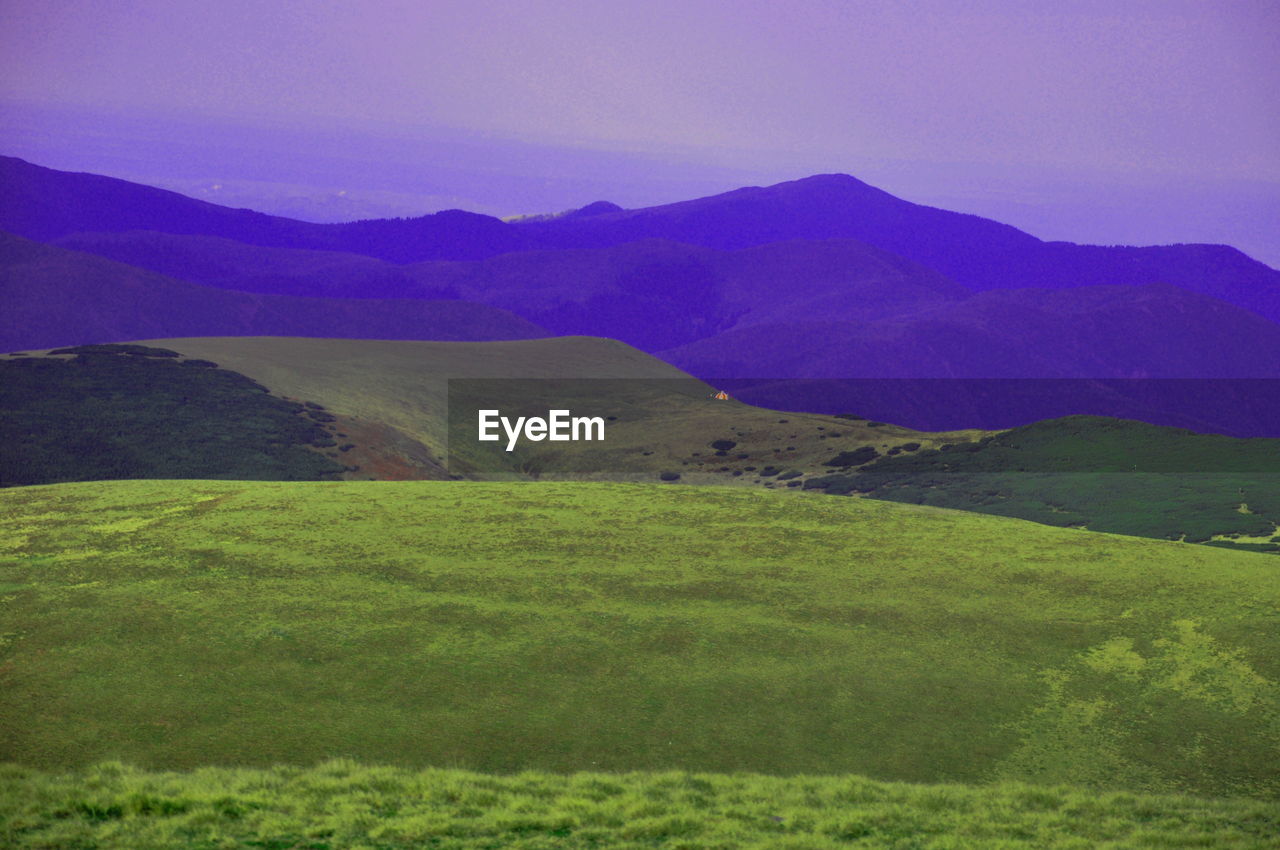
x,y
567,627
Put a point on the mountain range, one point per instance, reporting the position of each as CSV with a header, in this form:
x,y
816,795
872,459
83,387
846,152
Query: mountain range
x,y
820,278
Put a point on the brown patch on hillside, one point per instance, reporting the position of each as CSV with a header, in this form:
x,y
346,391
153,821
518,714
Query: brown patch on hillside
x,y
375,451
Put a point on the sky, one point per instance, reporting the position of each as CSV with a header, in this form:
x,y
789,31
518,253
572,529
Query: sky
x,y
1126,90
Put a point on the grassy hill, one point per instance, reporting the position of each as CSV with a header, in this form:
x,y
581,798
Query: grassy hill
x,y
666,422
384,406
615,627
1092,472
382,409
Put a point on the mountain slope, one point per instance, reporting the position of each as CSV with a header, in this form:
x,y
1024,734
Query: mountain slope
x,y
52,296
1010,357
230,264
1089,332
654,294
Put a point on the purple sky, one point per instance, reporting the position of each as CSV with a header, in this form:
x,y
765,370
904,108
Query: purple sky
x,y
1150,93
1164,85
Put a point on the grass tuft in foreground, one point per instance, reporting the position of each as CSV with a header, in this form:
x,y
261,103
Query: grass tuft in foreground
x,y
344,804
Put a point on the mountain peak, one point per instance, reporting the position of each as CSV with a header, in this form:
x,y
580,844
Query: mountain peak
x,y
593,209
833,181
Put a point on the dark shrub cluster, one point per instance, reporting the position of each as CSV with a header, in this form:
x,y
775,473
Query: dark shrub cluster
x,y
128,412
856,457
129,349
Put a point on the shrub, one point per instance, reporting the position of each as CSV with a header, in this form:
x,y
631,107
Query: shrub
x,y
857,457
670,476
723,445
134,350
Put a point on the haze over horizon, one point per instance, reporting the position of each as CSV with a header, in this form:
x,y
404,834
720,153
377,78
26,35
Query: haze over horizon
x,y
1138,123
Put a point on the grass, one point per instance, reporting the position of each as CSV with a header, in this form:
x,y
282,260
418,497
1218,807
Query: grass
x,y
610,627
342,804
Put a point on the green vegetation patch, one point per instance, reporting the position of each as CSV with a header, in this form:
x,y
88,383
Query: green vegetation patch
x,y
341,804
133,411
617,627
1108,475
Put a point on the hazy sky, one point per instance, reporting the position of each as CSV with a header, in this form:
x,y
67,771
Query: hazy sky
x,y
1175,87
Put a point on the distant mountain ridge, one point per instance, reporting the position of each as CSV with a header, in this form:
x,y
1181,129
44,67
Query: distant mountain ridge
x,y
44,204
977,252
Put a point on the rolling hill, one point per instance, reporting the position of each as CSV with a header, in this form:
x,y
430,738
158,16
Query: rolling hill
x,y
291,408
53,296
613,627
665,419
318,409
